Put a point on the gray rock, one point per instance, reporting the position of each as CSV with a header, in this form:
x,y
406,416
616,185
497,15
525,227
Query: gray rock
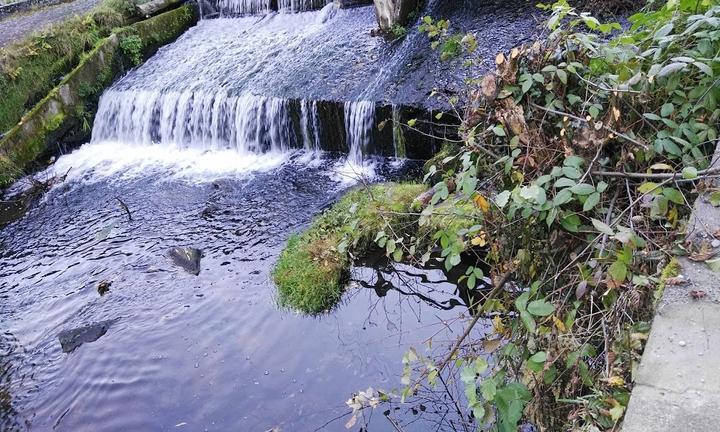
x,y
70,340
187,258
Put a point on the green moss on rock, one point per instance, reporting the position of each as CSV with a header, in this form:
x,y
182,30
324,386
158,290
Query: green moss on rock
x,y
312,268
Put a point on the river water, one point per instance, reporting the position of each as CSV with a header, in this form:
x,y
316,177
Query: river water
x,y
207,352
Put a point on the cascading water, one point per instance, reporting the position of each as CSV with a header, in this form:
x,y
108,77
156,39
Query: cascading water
x,y
193,148
259,7
214,121
359,121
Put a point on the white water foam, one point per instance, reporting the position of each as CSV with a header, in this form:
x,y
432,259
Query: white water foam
x,y
97,161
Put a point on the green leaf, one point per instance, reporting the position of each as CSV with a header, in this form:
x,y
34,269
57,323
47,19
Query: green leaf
x,y
582,189
674,195
667,109
591,201
467,375
602,227
594,111
502,198
562,75
647,187
618,271
540,308
412,122
571,172
671,68
714,264
571,223
564,182
714,198
499,130
488,389
689,173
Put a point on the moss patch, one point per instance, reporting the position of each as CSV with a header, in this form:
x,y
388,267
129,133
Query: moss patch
x,y
310,272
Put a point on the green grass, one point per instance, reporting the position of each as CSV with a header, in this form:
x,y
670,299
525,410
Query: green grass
x,y
311,270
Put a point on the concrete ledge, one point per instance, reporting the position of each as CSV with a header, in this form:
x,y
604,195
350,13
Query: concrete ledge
x,y
677,385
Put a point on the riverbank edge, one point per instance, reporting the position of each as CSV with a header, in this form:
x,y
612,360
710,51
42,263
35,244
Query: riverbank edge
x,y
64,116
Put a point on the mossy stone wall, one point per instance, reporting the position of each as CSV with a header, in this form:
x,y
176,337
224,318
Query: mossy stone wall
x,y
60,116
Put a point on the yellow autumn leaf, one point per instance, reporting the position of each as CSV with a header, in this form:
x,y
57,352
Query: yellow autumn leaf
x,y
480,239
498,325
559,324
482,203
616,381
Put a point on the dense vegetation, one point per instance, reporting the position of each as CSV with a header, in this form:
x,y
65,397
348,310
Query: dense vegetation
x,y
579,162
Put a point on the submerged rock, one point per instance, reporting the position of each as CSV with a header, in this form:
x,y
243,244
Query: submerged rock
x,y
72,339
187,258
104,287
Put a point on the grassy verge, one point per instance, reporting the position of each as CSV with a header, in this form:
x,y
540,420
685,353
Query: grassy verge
x,y
310,271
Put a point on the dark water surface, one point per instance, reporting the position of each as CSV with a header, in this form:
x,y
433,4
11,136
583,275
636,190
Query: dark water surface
x,y
211,352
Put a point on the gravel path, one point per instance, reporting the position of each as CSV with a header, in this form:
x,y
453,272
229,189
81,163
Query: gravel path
x,y
16,27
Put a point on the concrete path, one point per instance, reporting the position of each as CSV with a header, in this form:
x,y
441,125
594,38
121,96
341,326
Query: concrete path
x,y
677,386
16,27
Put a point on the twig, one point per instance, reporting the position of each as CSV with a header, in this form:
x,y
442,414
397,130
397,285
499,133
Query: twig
x,y
572,116
125,207
498,286
657,176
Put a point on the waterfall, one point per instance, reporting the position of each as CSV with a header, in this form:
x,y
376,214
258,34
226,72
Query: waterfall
x,y
205,121
359,122
260,7
310,125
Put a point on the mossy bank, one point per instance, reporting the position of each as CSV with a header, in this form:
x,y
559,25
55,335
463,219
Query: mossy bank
x,y
65,114
311,271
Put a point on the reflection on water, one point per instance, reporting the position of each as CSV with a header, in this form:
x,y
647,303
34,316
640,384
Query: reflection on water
x,y
207,352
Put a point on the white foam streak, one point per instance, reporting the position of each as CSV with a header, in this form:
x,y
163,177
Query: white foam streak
x,y
96,161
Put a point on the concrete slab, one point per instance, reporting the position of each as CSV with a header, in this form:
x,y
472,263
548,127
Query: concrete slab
x,y
677,386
